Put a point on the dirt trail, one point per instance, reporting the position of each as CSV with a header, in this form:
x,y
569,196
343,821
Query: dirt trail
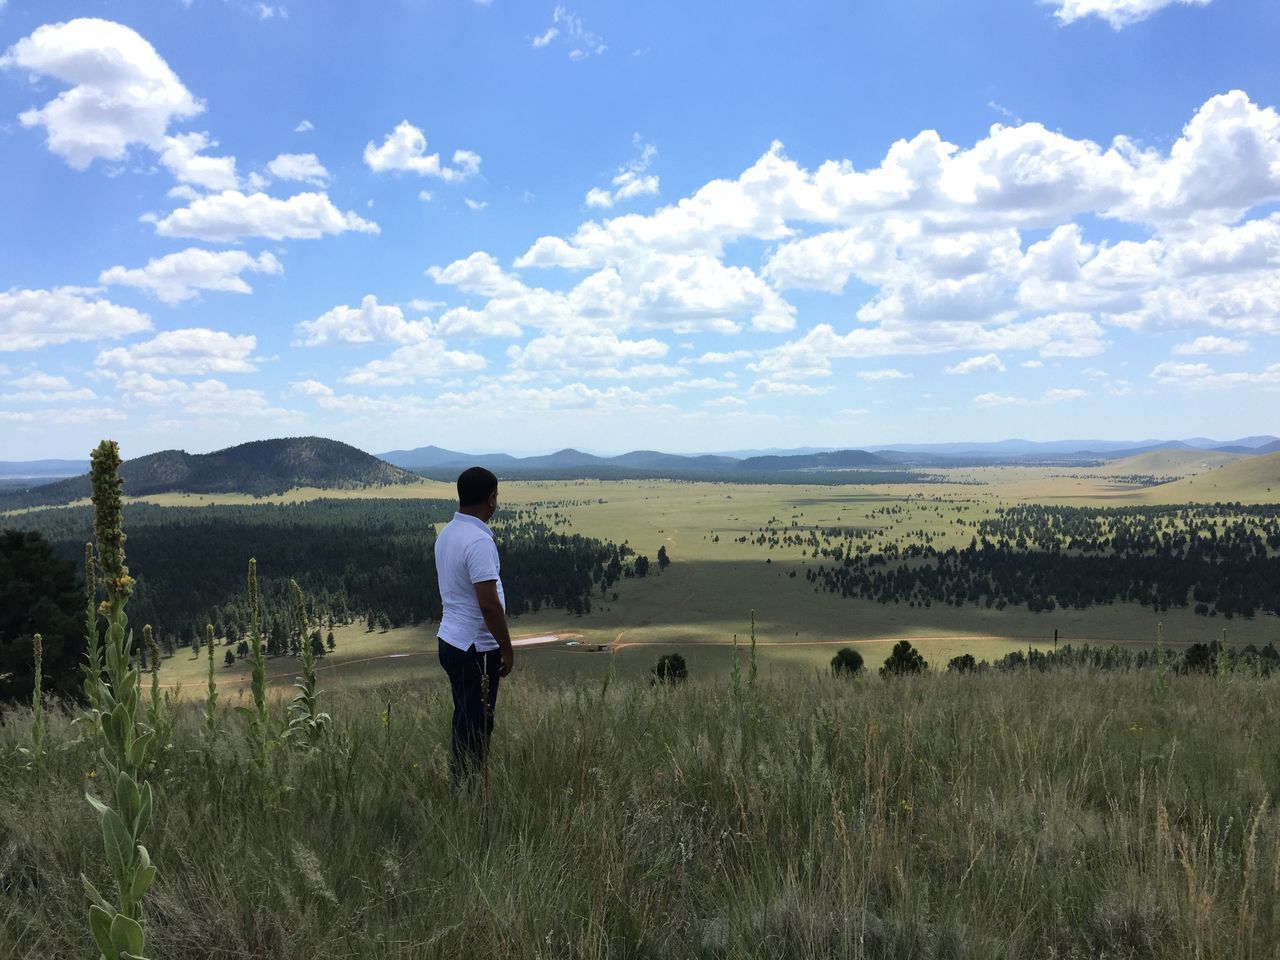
x,y
322,667
618,643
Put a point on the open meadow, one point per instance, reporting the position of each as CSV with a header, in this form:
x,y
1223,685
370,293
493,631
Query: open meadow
x,y
705,598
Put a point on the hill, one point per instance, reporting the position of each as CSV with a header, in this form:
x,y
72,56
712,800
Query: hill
x,y
433,457
259,468
836,460
1166,461
1248,480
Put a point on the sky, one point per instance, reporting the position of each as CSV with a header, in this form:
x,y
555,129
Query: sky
x,y
613,226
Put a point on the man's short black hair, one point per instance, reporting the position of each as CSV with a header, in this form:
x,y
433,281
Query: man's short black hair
x,y
475,485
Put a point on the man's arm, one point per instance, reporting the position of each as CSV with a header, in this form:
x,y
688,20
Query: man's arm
x,y
495,618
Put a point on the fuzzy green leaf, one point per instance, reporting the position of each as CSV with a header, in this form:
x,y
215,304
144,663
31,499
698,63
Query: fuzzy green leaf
x,y
118,842
97,804
100,926
138,752
127,936
144,813
128,797
94,895
141,881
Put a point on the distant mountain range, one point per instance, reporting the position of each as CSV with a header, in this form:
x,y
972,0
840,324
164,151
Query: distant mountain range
x,y
260,468
274,466
437,461
433,460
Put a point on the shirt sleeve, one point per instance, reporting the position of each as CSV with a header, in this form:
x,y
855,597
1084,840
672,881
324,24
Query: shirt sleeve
x,y
482,561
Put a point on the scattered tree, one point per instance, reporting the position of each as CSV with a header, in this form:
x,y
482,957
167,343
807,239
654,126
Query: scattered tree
x,y
670,669
904,659
847,660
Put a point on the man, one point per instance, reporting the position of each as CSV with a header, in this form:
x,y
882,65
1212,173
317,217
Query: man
x,y
474,642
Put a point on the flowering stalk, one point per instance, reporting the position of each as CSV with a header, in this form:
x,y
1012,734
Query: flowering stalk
x,y
36,753
117,927
92,667
156,714
306,723
211,699
257,715
1161,658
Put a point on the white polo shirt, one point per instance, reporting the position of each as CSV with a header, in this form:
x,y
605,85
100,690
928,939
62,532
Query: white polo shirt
x,y
466,555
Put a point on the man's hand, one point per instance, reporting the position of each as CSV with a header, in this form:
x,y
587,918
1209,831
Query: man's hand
x,y
495,619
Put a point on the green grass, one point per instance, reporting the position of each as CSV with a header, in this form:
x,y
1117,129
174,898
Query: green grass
x,y
1074,814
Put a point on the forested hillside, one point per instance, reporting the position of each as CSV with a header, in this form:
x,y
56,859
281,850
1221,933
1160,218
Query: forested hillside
x,y
354,559
260,468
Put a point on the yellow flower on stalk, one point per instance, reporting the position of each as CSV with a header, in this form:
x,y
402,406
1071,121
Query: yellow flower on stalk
x,y
108,518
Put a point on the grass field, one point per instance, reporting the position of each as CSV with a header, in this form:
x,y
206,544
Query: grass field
x,y
707,595
1070,815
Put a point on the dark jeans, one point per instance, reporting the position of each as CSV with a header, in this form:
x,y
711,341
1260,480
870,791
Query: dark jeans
x,y
472,717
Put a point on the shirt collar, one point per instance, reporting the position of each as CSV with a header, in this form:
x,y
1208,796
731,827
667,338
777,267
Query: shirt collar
x,y
467,518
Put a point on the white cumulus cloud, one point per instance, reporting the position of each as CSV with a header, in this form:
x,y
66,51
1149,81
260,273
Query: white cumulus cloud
x,y
1210,344
1118,13
120,91
371,322
32,319
181,156
427,360
995,400
987,363
181,276
404,149
232,215
303,167
630,181
203,398
1063,395
192,351
479,273
1201,376
41,387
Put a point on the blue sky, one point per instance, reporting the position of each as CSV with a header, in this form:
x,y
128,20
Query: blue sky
x,y
617,226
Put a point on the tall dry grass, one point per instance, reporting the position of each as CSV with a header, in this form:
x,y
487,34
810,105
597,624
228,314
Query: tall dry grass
x,y
1064,814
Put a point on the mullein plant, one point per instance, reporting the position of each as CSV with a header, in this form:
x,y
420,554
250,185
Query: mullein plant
x,y
118,926
157,707
306,723
36,751
1162,662
92,667
1222,662
259,720
211,698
